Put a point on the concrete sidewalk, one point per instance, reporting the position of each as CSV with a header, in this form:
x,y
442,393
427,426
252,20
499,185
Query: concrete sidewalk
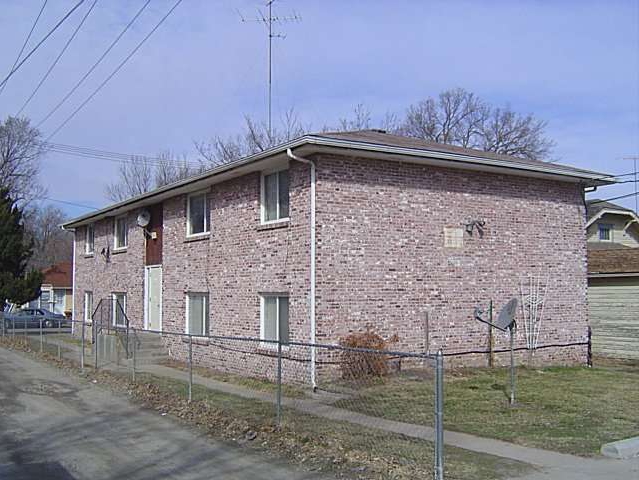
x,y
552,465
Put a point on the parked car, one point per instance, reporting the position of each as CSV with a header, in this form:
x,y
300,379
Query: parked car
x,y
32,317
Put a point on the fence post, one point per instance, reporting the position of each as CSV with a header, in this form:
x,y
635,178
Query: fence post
x,y
59,339
13,329
135,347
190,368
25,329
589,360
279,384
3,324
41,338
512,365
82,346
95,344
439,416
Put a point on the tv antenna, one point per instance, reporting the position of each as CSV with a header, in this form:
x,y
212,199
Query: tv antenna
x,y
268,19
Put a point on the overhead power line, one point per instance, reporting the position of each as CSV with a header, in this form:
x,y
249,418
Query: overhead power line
x,y
117,69
95,65
26,41
55,62
70,203
615,198
33,50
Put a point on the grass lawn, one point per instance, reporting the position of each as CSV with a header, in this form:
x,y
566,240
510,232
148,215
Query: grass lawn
x,y
341,447
567,409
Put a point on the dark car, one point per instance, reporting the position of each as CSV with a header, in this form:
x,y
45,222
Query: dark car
x,y
32,317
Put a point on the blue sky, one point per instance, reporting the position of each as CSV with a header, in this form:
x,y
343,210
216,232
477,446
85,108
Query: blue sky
x,y
574,64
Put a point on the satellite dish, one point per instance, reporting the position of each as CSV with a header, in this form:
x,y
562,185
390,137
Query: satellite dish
x,y
506,317
144,218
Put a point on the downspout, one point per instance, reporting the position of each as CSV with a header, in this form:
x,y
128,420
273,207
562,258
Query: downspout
x,y
73,286
292,156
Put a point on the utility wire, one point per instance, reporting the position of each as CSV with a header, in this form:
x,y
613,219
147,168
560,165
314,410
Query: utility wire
x,y
95,65
55,62
33,50
26,40
70,203
106,80
614,198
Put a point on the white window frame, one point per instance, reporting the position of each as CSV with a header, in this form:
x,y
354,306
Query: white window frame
x,y
117,247
207,229
114,298
206,326
605,226
87,309
272,343
264,174
89,247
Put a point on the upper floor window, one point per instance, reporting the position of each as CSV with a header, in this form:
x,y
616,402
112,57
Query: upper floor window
x,y
121,234
275,191
197,215
89,239
605,232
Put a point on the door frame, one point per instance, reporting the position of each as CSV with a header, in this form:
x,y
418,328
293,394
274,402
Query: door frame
x,y
147,268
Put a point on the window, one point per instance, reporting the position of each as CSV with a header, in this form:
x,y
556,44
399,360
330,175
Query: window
x,y
605,232
121,233
197,215
197,313
89,240
275,196
88,306
119,309
59,297
274,318
45,299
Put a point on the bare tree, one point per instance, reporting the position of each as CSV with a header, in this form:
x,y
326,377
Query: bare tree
x,y
135,177
51,244
20,154
458,117
361,119
172,168
254,139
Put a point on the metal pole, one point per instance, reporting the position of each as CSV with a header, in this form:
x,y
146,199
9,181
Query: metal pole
x,y
491,355
25,329
59,339
439,416
41,338
190,367
279,383
13,329
512,365
589,359
135,347
95,344
82,347
3,326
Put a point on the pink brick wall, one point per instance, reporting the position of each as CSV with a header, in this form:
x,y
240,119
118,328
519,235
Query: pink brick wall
x,y
381,259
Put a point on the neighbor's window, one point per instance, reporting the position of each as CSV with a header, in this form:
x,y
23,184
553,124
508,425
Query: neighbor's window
x,y
89,240
119,309
275,196
197,313
605,231
88,306
45,299
59,297
197,217
274,318
121,233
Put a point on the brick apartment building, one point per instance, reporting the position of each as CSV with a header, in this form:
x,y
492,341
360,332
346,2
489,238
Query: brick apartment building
x,y
338,232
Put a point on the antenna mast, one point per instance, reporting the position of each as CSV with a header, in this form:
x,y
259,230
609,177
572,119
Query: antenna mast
x,y
268,20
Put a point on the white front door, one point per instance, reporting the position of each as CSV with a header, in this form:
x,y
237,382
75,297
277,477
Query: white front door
x,y
153,303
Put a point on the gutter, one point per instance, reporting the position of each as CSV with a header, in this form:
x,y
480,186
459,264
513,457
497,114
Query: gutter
x,y
292,156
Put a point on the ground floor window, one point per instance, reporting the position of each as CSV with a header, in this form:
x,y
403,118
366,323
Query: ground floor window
x,y
274,317
197,313
88,306
119,309
59,297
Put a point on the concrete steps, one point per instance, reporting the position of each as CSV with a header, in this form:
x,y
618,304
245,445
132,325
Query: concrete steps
x,y
150,350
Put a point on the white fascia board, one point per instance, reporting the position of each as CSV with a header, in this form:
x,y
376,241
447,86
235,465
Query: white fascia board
x,y
613,212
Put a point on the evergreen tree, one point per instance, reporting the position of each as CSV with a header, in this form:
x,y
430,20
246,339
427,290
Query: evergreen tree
x,y
15,251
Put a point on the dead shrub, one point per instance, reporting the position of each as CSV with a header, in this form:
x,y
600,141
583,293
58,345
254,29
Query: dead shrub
x,y
356,365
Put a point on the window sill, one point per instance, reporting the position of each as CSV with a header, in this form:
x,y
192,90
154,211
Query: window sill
x,y
119,250
275,224
197,340
197,237
89,255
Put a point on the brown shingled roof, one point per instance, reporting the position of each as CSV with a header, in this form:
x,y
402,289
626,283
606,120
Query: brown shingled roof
x,y
59,275
623,260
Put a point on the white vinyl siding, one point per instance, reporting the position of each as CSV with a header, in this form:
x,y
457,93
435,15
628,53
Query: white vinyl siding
x,y
197,313
275,196
197,215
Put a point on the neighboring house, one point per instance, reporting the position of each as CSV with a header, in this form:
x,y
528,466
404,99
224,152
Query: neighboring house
x,y
613,279
57,289
338,232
